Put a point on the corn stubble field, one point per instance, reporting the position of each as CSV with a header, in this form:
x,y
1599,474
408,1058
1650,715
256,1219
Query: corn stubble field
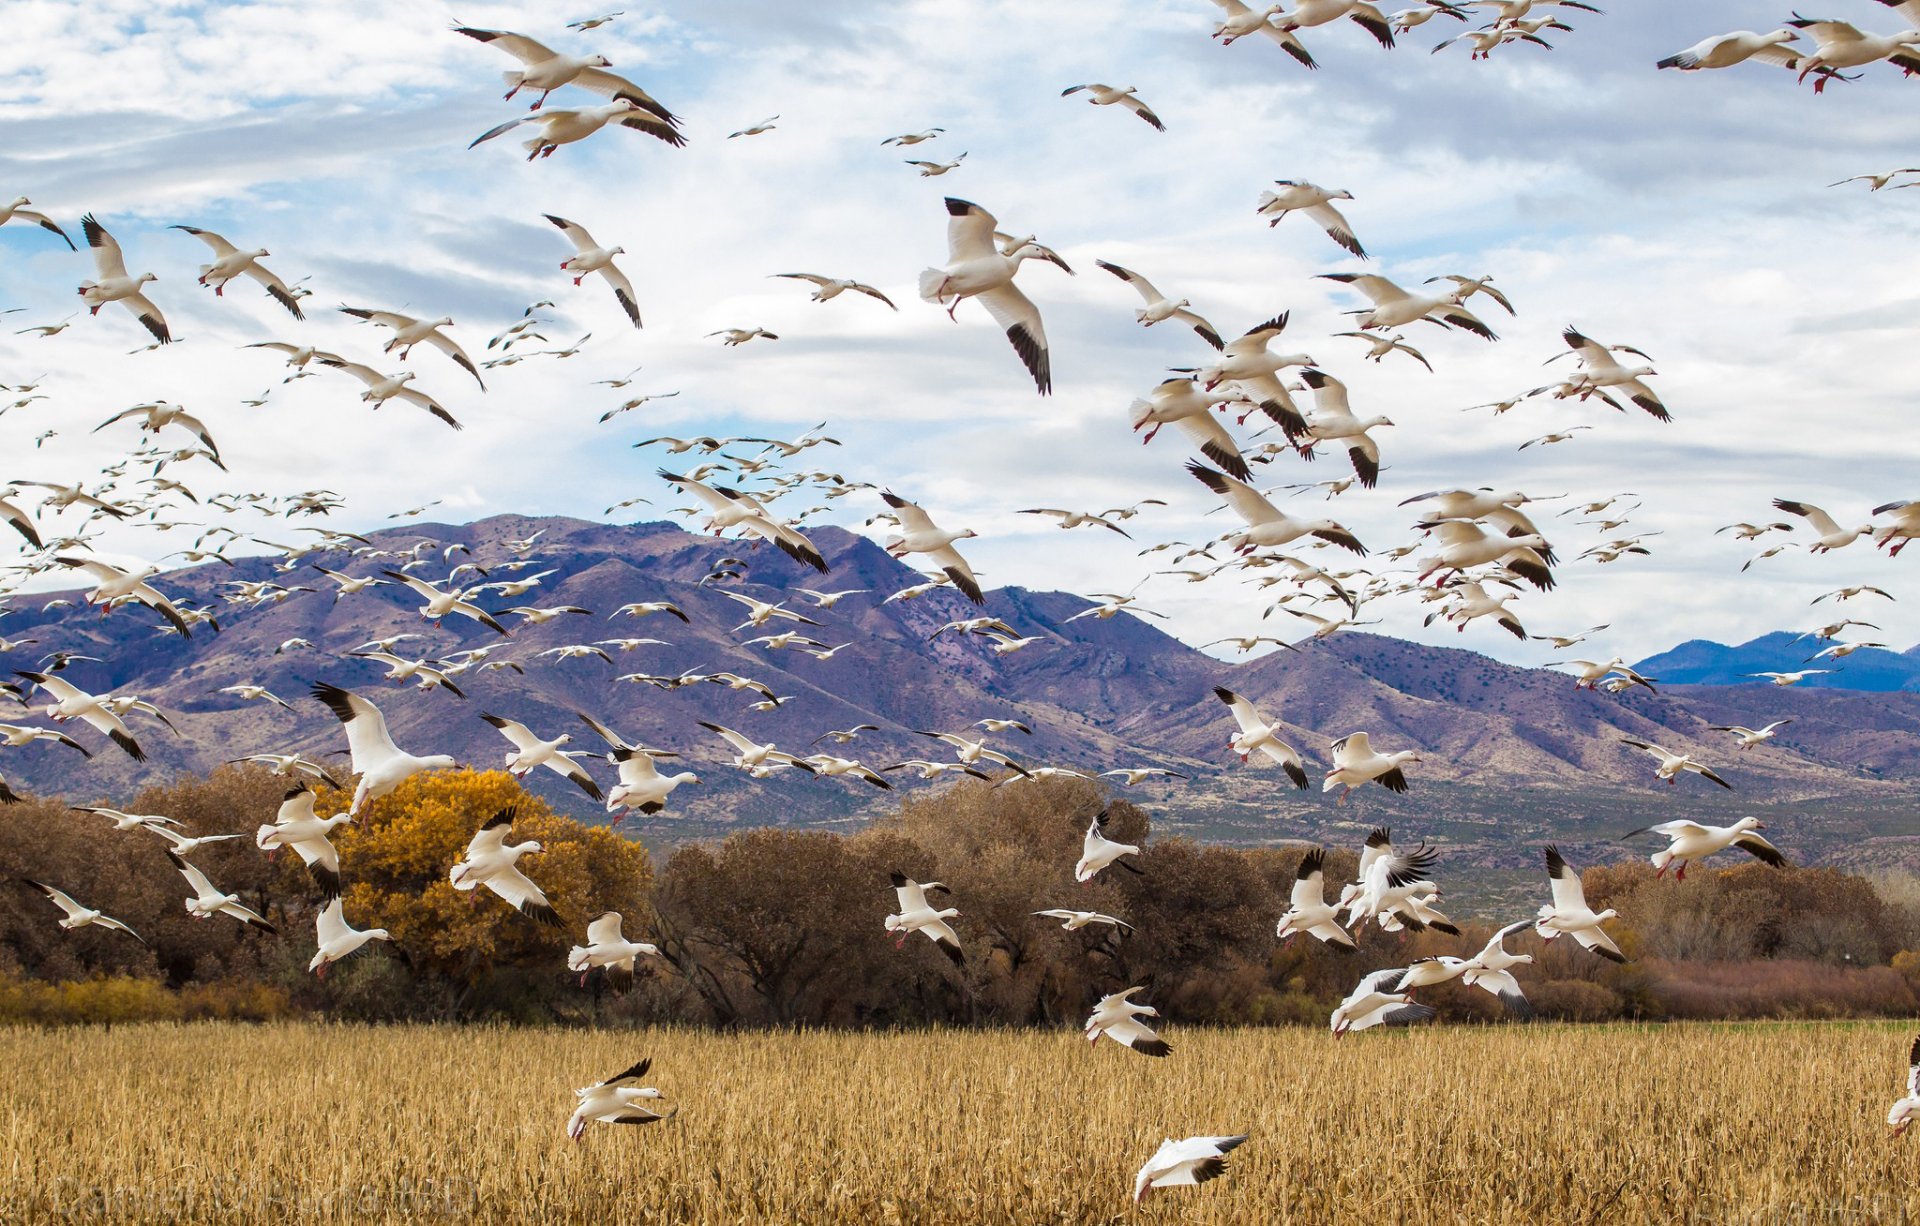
x,y
229,1123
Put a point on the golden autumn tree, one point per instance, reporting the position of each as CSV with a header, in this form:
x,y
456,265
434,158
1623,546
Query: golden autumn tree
x,y
395,859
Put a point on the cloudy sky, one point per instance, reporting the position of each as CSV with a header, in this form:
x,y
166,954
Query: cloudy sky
x,y
1687,214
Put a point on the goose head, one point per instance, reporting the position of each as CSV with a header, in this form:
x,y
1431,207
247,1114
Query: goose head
x,y
440,761
1749,823
445,321
598,61
1780,37
145,277
378,934
19,201
616,251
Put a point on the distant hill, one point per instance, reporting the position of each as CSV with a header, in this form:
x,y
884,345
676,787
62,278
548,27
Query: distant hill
x,y
1704,662
1508,752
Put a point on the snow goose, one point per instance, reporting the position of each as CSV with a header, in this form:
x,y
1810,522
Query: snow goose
x,y
1688,842
1749,737
933,170
1600,369
440,603
935,770
209,901
565,126
17,210
1392,342
1471,601
1394,307
1485,40
113,586
1838,44
1877,181
296,825
530,751
913,138
755,129
1180,402
826,288
642,786
408,332
1491,970
256,693
740,336
1907,1109
1394,887
594,23
399,668
72,702
1299,196
757,759
1074,921
1252,367
20,522
1160,307
732,508
1569,913
1334,421
970,751
1306,14
78,916
617,1100
127,821
382,388
186,845
1355,763
115,285
158,416
919,534
608,948
1794,678
493,862
1671,764
1373,1002
547,70
230,261
1097,851
1118,1018
1266,524
337,939
381,765
1407,19
1107,95
13,736
827,766
1465,545
1187,1163
1831,534
976,269
593,257
1256,733
1308,910
918,915
1134,776
1240,21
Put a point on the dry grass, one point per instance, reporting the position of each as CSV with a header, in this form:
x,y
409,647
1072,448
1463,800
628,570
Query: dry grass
x,y
218,1122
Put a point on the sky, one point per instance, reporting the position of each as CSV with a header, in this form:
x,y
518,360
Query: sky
x,y
1686,214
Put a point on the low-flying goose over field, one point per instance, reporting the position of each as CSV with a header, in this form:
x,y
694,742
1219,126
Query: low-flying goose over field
x,y
1491,970
1356,763
547,70
1178,1164
1107,95
591,256
1118,1017
1749,737
1688,842
1671,765
620,1099
493,862
114,285
530,751
337,939
1257,734
381,765
296,825
1308,910
79,916
1906,1109
1374,1002
1569,914
642,786
1159,307
72,702
209,901
1097,851
918,915
608,948
1134,776
976,268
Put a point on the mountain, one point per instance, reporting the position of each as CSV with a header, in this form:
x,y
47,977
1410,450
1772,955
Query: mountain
x,y
1507,752
1704,662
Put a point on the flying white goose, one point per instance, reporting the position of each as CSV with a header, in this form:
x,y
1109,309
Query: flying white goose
x,y
547,70
185,845
826,288
127,821
1134,776
608,949
1907,1109
208,900
591,257
158,416
827,766
1749,737
913,138
440,603
1838,44
1395,888
408,332
1832,535
1391,342
1118,1018
1355,763
1794,678
1334,421
71,702
1240,21
976,269
933,170
1308,910
918,915
1569,913
1179,1164
617,1100
1465,545
565,126
1671,764
113,586
381,765
641,785
382,388
296,825
530,751
1160,307
1688,842
17,211
1107,95
230,262
1180,401
115,285
1309,13
919,534
1491,970
1373,1002
1394,307
732,508
493,862
337,939
1074,921
755,129
757,759
1268,525
1600,369
1097,851
1253,368
78,916
1299,196
1257,734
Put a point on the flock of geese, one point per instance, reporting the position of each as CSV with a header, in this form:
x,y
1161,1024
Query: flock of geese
x,y
1474,553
